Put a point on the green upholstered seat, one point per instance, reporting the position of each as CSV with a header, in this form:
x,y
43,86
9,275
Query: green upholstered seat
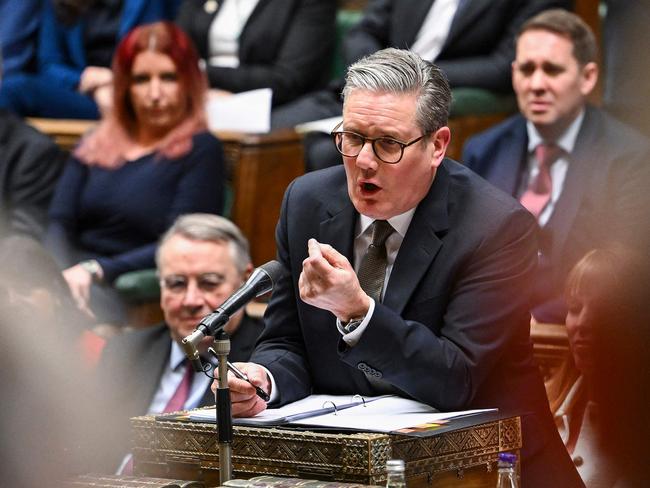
x,y
477,101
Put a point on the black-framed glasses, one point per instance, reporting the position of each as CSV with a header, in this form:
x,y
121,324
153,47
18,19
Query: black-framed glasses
x,y
387,149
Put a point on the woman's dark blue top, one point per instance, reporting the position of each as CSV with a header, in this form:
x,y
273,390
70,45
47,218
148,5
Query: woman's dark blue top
x,y
117,215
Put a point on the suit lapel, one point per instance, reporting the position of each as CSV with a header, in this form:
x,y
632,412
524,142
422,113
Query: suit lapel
x,y
409,24
337,229
576,182
468,11
153,359
511,159
421,243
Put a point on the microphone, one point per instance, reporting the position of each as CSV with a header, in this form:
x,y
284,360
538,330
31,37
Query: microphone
x,y
261,281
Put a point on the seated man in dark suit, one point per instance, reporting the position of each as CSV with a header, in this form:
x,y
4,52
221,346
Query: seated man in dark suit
x,y
202,259
30,165
579,171
407,273
470,40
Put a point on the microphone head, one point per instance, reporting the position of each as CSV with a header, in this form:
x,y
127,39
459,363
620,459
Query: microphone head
x,y
274,269
264,278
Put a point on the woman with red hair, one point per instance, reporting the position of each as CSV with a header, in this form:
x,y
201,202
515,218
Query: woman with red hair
x,y
149,160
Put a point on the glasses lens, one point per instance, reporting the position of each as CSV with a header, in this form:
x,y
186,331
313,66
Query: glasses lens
x,y
174,284
349,144
207,283
388,150
210,282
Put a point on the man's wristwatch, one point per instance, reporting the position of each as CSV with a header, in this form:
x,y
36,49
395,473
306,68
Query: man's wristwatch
x,y
93,267
352,325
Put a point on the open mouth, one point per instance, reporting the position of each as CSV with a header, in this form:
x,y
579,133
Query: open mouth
x,y
369,188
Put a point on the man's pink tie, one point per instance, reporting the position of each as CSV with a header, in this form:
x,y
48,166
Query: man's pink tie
x,y
539,191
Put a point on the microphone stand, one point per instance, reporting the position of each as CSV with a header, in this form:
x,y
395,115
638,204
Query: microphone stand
x,y
224,416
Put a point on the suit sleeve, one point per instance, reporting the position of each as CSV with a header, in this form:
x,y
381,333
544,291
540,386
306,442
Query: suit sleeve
x,y
53,59
281,346
486,313
38,163
300,62
371,33
491,71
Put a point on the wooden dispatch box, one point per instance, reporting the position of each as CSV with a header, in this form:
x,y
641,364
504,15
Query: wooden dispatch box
x,y
463,453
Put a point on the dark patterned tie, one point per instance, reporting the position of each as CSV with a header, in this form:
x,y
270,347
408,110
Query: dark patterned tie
x,y
182,393
372,270
539,191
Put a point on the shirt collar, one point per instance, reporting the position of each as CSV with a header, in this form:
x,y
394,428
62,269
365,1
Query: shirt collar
x,y
400,222
176,357
566,141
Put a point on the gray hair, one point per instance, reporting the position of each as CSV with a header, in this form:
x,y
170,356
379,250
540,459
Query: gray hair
x,y
401,71
210,228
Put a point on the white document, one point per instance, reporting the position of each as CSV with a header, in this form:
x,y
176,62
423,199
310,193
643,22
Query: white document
x,y
322,125
307,407
241,112
386,413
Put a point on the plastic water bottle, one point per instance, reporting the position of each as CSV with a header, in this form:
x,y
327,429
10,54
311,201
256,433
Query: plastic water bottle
x,y
395,477
507,474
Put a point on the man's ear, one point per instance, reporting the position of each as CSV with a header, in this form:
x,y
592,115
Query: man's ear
x,y
249,270
440,139
589,78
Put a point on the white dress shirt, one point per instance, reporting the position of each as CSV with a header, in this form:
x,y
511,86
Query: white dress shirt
x,y
225,31
435,29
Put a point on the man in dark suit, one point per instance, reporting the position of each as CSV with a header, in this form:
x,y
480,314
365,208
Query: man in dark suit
x,y
30,165
470,40
202,260
595,181
436,309
285,45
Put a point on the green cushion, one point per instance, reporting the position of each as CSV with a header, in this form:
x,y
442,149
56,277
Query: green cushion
x,y
477,101
345,19
139,286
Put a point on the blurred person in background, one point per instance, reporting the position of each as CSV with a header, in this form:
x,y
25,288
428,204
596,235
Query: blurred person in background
x,y
19,26
150,160
472,41
579,171
76,42
285,45
30,166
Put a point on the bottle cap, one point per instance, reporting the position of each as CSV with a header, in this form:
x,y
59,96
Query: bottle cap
x,y
395,464
507,457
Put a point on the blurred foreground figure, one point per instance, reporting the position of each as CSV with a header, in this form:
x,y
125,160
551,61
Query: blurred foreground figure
x,y
49,405
599,395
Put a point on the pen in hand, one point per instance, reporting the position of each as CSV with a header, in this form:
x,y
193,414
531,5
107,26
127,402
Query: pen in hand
x,y
239,374
260,392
